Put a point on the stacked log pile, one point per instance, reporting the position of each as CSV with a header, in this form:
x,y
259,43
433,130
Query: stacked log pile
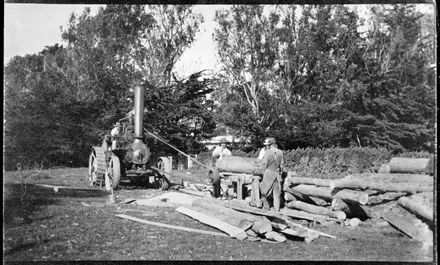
x,y
409,184
243,222
401,194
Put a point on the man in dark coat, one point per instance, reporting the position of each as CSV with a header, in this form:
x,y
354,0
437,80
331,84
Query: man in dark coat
x,y
270,186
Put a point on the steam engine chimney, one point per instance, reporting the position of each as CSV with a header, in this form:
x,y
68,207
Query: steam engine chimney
x,y
138,110
141,153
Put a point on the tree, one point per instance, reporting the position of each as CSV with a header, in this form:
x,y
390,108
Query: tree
x,y
393,104
60,101
246,50
326,84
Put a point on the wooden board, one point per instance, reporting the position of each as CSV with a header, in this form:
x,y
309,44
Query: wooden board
x,y
181,228
231,230
417,208
403,224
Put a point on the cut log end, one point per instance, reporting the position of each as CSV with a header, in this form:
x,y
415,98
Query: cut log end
x,y
340,215
363,198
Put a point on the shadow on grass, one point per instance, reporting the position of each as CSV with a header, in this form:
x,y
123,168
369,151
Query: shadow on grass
x,y
20,247
20,202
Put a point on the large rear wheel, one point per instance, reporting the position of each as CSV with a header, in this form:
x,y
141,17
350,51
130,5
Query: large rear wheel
x,y
113,175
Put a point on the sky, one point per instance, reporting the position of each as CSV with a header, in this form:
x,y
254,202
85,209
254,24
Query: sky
x,y
28,28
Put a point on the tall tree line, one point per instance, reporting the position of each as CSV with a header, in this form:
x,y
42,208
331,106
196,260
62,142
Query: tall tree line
x,y
310,77
305,75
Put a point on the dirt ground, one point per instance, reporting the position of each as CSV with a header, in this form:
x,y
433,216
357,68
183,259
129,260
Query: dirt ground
x,y
43,225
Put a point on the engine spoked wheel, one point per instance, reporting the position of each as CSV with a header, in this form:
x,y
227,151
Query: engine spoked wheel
x,y
113,175
93,164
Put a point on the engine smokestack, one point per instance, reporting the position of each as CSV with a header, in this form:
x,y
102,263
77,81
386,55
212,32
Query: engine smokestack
x,y
138,111
141,152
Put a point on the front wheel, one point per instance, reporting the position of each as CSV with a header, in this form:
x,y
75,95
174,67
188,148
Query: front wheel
x,y
113,175
93,164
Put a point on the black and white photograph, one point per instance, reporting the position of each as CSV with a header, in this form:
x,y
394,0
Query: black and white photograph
x,y
220,132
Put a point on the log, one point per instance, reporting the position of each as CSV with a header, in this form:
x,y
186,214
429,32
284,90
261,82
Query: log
x,y
251,233
181,228
231,230
350,209
354,222
288,197
410,165
328,194
306,216
272,235
237,164
318,201
241,206
278,226
316,209
385,197
390,177
261,227
310,181
417,208
295,231
252,236
295,225
409,187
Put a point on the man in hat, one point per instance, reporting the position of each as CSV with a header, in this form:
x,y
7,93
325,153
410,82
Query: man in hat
x,y
220,152
270,186
115,135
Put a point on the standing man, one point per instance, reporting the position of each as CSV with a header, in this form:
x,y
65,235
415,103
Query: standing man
x,y
270,187
220,152
115,135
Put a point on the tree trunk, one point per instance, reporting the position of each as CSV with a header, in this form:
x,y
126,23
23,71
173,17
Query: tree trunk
x,y
309,181
389,177
316,209
328,194
410,165
410,187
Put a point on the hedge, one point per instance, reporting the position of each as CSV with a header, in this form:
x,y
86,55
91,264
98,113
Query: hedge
x,y
328,162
